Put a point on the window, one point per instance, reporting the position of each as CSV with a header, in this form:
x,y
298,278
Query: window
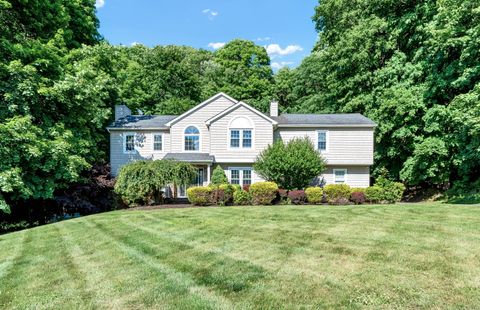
x,y
157,142
192,139
322,140
129,142
235,138
241,133
241,176
241,138
247,139
339,175
235,176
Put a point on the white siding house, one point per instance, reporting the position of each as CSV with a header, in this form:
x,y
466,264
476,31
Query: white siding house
x,y
223,131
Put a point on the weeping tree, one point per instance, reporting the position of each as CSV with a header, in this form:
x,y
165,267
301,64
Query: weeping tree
x,y
142,182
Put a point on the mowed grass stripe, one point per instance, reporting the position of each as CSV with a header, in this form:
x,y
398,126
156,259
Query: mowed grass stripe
x,y
178,288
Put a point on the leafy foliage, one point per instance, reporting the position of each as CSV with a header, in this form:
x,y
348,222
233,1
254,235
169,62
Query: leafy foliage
x,y
242,198
200,195
297,196
314,194
374,193
357,197
337,193
292,165
142,181
263,193
218,176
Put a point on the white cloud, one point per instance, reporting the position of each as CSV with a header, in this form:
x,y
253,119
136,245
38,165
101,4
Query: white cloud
x,y
135,43
276,50
211,14
216,45
263,39
279,65
99,3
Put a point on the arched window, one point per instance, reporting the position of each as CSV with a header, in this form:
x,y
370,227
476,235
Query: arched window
x,y
241,129
192,139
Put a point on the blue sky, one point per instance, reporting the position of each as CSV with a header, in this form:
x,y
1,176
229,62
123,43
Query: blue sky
x,y
284,27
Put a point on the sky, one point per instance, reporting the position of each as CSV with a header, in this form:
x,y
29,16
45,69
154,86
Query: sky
x,y
284,27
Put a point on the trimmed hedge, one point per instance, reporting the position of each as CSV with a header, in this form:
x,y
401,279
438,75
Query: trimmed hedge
x,y
200,195
242,198
263,192
337,193
297,197
314,195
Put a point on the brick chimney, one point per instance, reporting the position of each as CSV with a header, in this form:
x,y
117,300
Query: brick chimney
x,y
121,111
274,108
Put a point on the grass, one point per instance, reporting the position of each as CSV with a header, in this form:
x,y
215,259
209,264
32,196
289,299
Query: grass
x,y
389,256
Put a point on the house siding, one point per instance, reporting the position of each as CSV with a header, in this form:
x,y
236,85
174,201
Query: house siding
x,y
198,119
143,147
262,136
345,146
357,176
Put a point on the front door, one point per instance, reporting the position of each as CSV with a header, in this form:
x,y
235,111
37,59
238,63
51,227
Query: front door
x,y
198,181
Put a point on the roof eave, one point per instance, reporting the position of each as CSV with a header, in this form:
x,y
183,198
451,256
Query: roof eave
x,y
328,125
136,128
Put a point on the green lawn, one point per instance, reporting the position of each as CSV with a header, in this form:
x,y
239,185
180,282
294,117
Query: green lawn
x,y
390,256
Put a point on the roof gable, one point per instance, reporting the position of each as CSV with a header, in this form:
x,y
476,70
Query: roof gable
x,y
236,106
199,106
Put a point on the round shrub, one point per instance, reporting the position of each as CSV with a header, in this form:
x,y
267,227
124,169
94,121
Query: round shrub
x,y
337,193
263,192
297,197
374,194
199,195
314,194
393,192
242,198
357,197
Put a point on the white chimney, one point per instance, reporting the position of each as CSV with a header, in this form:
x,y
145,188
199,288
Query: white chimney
x,y
121,111
274,108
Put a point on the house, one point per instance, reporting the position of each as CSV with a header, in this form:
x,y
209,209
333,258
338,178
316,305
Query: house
x,y
230,133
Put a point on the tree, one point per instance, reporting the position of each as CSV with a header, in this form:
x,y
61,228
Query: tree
x,y
292,165
218,176
143,181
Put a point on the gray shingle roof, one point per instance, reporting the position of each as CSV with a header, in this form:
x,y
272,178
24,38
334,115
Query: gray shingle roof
x,y
354,119
191,157
143,121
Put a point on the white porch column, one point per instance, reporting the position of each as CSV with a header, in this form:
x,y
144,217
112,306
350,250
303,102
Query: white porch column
x,y
208,173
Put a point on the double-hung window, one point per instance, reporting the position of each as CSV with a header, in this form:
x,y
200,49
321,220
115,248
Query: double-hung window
x,y
129,143
241,176
322,140
241,138
157,142
340,176
192,139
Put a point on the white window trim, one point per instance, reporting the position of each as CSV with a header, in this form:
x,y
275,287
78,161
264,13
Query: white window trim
x,y
199,140
153,142
240,176
345,176
124,138
229,146
327,140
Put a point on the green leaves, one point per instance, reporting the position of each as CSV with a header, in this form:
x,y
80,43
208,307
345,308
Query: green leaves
x,y
292,165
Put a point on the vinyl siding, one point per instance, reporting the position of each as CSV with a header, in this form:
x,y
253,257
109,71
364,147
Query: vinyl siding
x,y
262,136
226,167
198,119
143,147
345,146
357,176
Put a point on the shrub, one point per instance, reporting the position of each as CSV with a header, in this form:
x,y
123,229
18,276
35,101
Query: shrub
x,y
374,194
337,193
242,198
314,194
222,194
392,191
142,181
218,176
292,165
297,197
358,189
236,187
357,197
263,192
199,195
246,187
